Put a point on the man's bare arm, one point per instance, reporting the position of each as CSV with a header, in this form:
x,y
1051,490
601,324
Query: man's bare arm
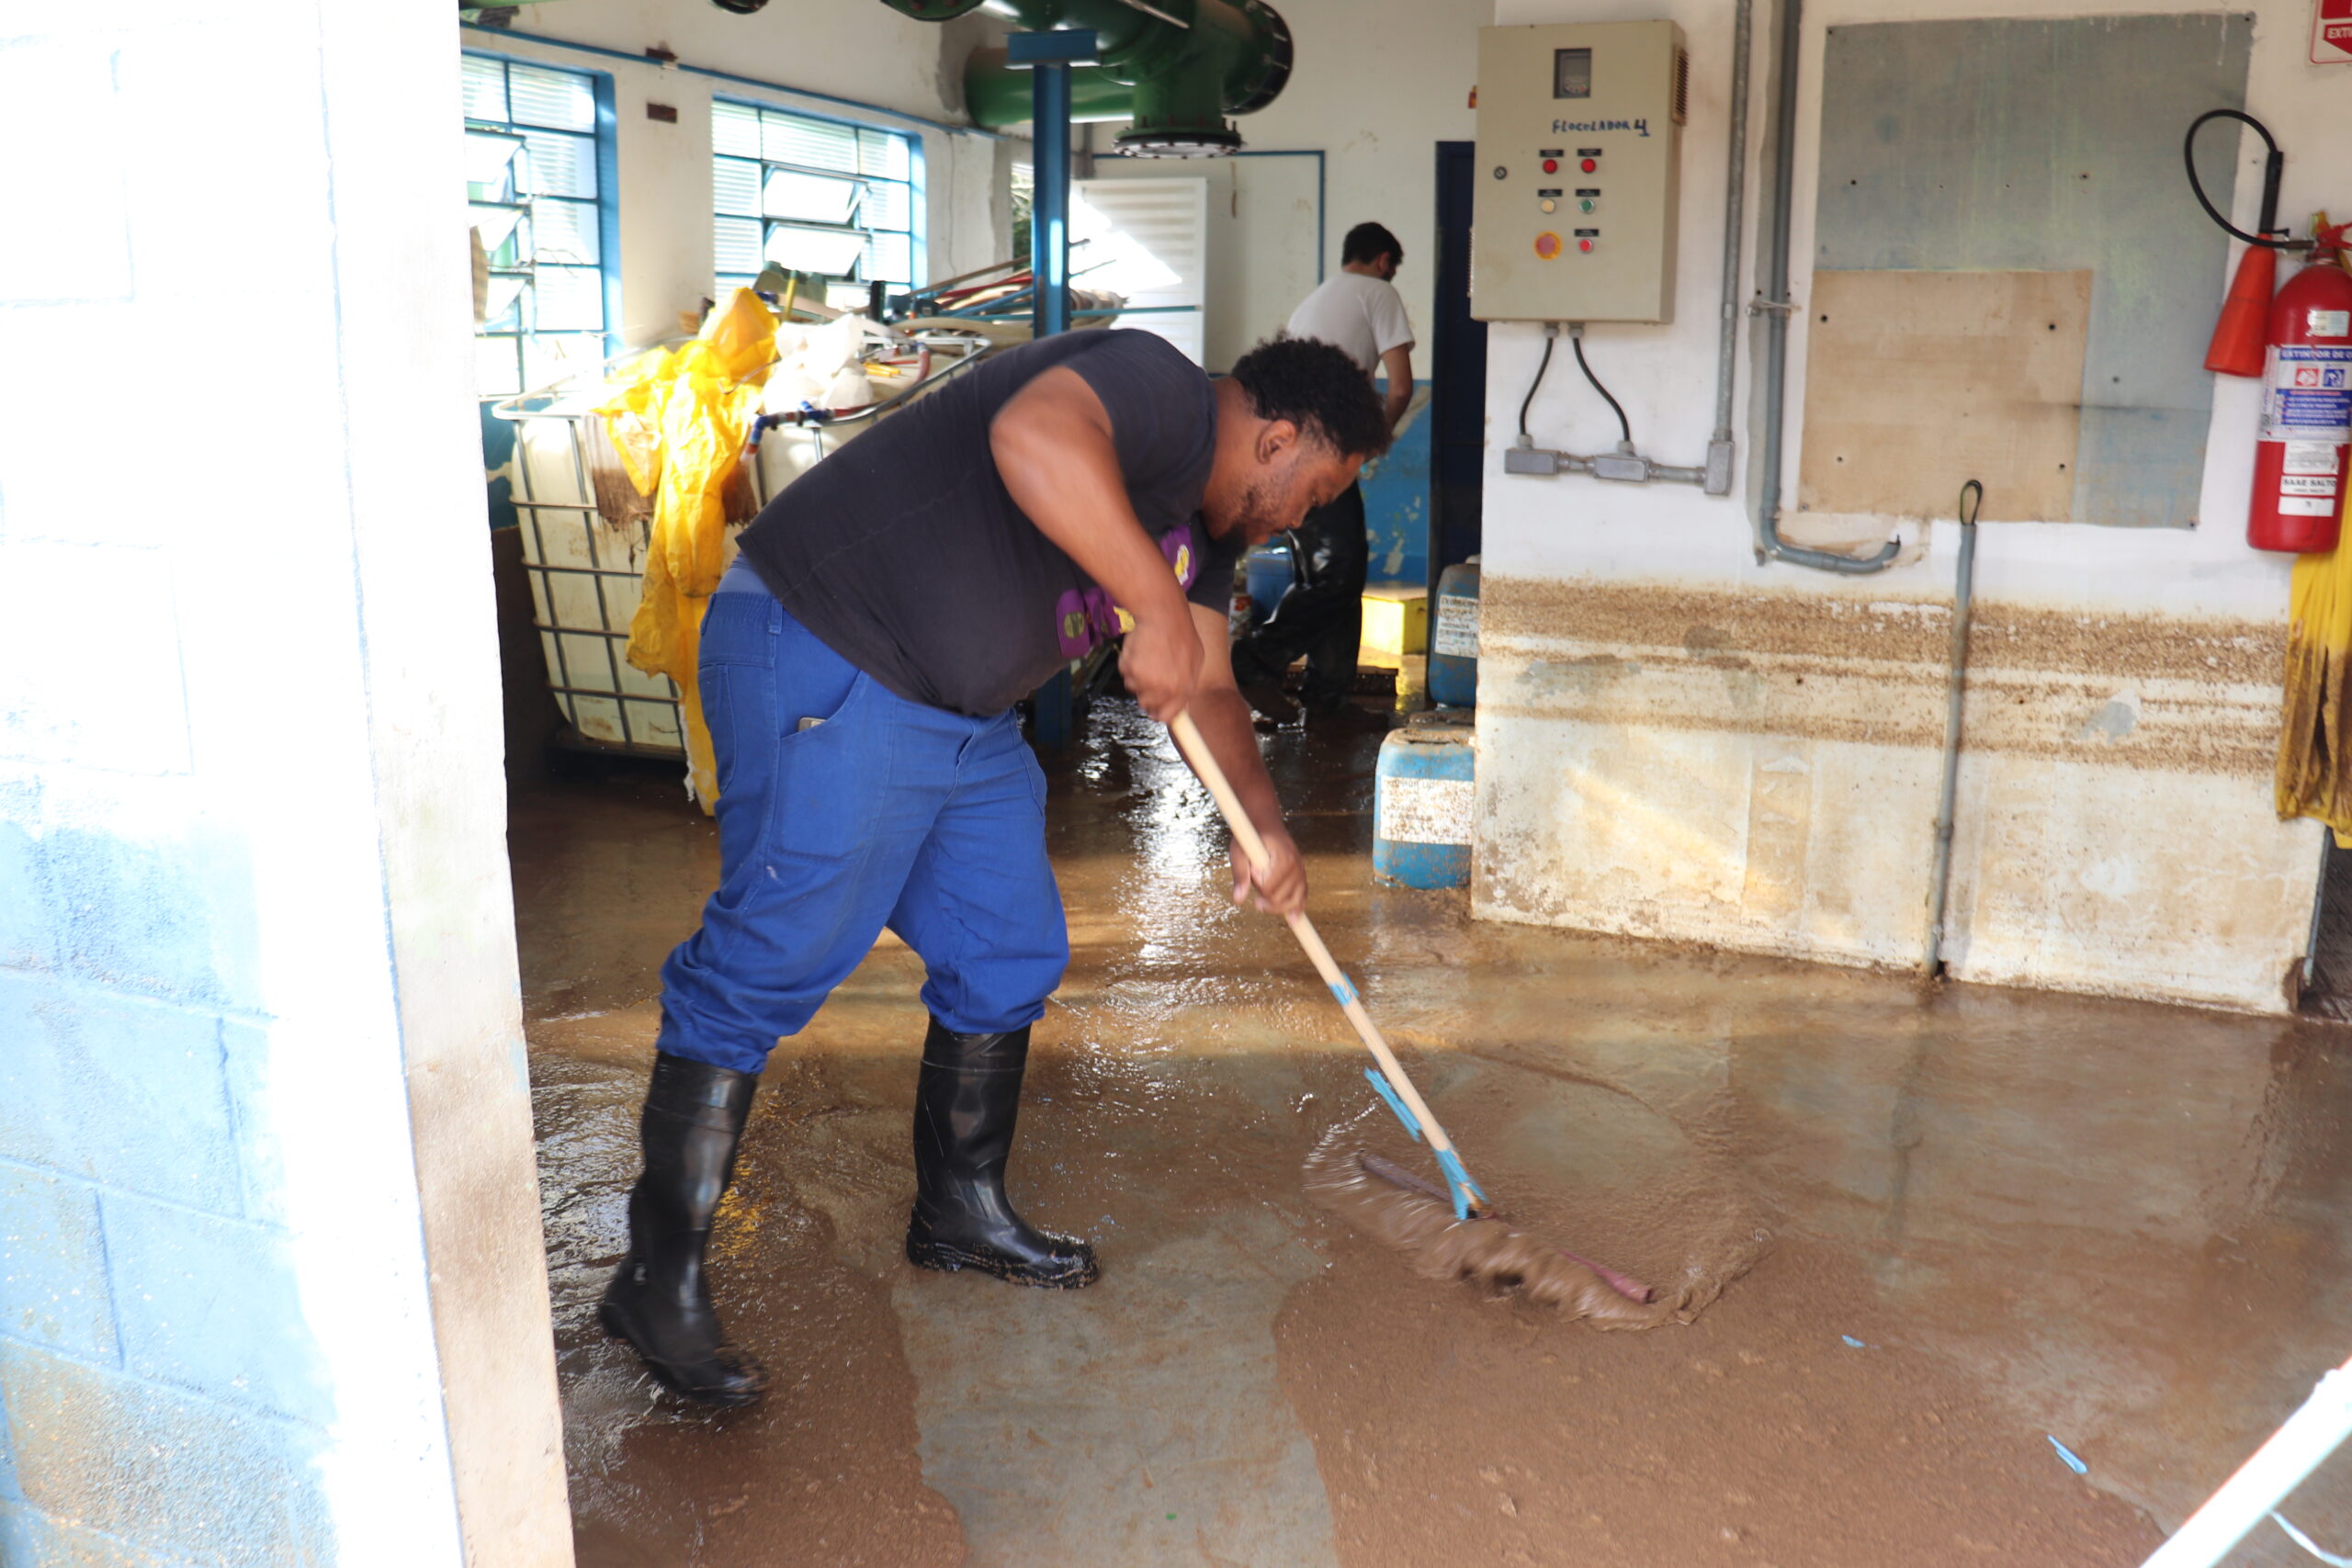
x,y
1398,362
1052,448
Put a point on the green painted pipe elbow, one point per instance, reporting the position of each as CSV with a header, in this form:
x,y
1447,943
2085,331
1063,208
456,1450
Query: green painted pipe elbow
x,y
1175,68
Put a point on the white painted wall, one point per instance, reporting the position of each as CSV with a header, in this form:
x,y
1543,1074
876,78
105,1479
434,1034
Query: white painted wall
x,y
250,792
426,643
2083,862
908,71
1377,84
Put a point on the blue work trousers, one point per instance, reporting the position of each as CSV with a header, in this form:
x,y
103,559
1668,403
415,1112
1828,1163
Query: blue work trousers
x,y
886,812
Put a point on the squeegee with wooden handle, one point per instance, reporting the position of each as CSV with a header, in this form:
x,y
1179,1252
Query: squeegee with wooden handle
x,y
1469,1201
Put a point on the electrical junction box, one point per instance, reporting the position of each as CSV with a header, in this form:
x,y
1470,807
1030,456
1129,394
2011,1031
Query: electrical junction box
x,y
1580,152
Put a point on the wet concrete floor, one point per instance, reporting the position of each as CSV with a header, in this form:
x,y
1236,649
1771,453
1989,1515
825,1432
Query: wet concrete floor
x,y
2121,1225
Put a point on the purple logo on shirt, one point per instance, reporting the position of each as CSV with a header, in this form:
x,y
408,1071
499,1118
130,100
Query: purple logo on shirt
x,y
1084,618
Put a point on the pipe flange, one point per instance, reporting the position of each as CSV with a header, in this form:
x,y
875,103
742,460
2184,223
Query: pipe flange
x,y
1189,143
1280,54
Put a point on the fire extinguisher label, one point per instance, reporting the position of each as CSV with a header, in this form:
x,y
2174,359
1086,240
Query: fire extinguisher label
x,y
2328,323
2309,458
2309,394
2307,484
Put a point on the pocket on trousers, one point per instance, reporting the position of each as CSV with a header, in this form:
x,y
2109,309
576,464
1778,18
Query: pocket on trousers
x,y
831,778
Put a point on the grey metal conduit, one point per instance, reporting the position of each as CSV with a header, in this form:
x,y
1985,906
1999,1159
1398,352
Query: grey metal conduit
x,y
1972,497
1719,447
1618,466
1775,308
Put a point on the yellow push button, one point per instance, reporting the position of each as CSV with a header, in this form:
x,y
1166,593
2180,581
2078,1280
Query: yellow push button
x,y
1549,206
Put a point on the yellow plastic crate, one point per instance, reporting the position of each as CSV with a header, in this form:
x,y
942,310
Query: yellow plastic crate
x,y
1396,618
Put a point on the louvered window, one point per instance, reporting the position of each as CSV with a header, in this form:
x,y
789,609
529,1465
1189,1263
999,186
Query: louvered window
x,y
535,180
843,202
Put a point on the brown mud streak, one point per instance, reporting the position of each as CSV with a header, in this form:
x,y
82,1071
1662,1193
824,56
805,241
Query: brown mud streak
x,y
2207,687
1488,1251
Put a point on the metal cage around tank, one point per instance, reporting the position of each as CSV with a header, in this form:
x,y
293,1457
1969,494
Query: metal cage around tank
x,y
587,574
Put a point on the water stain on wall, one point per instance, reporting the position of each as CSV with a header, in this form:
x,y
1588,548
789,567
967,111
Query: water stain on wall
x,y
2042,681
1759,769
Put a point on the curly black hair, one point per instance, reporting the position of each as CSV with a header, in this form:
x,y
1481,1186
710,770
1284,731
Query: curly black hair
x,y
1318,389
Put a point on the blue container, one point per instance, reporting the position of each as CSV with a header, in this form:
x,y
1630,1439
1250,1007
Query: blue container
x,y
1268,571
1454,638
1422,794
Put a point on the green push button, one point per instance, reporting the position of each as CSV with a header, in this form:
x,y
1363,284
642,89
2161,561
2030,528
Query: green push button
x,y
1584,205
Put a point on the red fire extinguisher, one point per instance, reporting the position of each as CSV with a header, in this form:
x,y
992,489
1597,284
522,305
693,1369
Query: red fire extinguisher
x,y
2306,441
2300,343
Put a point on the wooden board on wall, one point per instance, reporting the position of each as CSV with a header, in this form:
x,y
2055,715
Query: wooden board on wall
x,y
2013,144
1916,381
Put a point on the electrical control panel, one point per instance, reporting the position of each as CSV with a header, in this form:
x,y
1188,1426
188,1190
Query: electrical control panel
x,y
1579,151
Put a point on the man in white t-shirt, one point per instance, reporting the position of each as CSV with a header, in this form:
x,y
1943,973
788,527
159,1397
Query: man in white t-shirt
x,y
1321,614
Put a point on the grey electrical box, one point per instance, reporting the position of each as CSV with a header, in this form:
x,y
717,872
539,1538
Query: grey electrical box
x,y
1579,157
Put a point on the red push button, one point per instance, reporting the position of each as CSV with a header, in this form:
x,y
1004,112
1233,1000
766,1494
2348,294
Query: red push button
x,y
1551,165
1547,244
1590,164
1585,245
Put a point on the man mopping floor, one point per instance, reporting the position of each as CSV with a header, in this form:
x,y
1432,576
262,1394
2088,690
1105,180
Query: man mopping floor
x,y
859,666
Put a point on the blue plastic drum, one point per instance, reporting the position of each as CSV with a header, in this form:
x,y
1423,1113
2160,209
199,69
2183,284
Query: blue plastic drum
x,y
1422,795
1268,571
1454,638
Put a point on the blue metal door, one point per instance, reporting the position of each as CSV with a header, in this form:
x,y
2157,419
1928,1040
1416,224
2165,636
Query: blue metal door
x,y
1457,372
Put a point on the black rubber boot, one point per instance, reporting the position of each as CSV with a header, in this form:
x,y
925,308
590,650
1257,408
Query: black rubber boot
x,y
1320,614
966,1103
660,1301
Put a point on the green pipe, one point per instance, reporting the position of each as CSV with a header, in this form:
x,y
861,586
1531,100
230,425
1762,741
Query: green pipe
x,y
1175,67
998,96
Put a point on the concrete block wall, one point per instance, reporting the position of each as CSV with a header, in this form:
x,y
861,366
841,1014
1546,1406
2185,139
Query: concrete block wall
x,y
271,1286
152,1338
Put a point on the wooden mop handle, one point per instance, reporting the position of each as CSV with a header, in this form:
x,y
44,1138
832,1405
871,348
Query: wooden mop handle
x,y
1245,833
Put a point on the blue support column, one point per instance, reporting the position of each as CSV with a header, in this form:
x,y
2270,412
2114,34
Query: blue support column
x,y
1048,55
1049,219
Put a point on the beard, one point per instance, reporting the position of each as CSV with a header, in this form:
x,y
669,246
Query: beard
x,y
1260,517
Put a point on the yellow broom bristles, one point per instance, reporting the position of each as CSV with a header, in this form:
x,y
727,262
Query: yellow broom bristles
x,y
2312,779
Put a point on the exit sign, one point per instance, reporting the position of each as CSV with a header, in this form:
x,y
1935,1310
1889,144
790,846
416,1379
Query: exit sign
x,y
2332,32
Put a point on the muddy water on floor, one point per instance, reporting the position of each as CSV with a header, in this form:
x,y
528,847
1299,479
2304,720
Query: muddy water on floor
x,y
2117,1224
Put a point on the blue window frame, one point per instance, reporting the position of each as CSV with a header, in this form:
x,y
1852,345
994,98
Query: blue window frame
x,y
815,196
539,176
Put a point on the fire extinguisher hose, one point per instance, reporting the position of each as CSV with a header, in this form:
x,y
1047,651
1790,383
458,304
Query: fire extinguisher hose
x,y
2273,164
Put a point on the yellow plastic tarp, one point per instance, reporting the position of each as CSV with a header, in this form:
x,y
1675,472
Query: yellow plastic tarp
x,y
2315,733
681,416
